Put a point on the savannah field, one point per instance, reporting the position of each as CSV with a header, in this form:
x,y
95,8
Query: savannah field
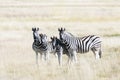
x,y
80,17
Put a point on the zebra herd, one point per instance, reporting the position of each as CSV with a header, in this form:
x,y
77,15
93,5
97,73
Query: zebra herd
x,y
65,44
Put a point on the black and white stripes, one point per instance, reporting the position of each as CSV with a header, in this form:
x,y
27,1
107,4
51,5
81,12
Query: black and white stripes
x,y
38,45
60,48
66,44
80,44
47,44
42,45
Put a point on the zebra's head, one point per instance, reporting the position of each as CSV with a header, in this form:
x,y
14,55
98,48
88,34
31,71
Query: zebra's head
x,y
54,41
43,38
63,34
36,36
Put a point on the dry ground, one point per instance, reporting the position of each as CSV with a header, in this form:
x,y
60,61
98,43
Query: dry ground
x,y
17,59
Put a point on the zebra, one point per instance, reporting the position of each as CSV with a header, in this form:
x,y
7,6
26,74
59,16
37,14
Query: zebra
x,y
48,45
60,48
38,46
80,44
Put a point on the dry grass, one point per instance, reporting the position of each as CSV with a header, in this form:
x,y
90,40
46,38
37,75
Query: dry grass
x,y
17,59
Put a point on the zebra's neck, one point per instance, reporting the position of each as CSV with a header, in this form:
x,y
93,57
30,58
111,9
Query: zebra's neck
x,y
59,42
37,43
44,45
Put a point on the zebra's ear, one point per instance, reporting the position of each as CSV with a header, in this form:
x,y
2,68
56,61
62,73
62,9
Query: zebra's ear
x,y
51,38
61,29
37,29
58,29
33,29
64,29
40,35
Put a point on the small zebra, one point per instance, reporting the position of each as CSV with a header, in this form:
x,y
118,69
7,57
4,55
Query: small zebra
x,y
38,46
80,44
60,48
48,45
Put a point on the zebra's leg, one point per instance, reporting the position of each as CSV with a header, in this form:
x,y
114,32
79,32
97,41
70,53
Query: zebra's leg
x,y
72,57
69,58
46,55
96,52
41,56
100,53
75,57
60,57
56,54
37,58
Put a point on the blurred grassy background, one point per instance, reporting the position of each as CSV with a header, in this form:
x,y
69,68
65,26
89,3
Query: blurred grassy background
x,y
99,17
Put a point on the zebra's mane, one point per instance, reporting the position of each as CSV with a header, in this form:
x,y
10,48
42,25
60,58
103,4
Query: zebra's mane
x,y
69,34
59,41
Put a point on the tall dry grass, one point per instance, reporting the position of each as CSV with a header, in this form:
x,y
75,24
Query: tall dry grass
x,y
17,59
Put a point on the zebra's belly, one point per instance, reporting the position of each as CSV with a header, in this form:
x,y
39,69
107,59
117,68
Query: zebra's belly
x,y
52,51
40,50
82,51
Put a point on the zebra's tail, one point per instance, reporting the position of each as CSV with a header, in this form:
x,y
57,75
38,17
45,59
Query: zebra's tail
x,y
100,53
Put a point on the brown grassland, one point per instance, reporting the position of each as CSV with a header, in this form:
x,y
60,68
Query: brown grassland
x,y
81,18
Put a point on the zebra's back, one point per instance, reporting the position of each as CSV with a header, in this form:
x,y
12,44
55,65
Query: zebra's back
x,y
86,43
